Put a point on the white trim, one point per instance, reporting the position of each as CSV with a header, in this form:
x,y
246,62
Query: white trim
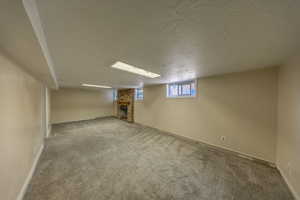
x,y
31,172
239,153
289,184
242,154
79,120
36,22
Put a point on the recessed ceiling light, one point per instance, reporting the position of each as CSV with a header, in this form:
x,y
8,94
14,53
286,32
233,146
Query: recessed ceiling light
x,y
135,70
97,86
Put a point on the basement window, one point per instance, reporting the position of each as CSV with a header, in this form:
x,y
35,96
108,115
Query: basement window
x,y
181,89
139,94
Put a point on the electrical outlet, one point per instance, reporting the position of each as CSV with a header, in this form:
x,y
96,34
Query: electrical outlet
x,y
222,138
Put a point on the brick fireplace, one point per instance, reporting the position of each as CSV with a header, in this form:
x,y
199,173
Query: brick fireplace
x,y
125,104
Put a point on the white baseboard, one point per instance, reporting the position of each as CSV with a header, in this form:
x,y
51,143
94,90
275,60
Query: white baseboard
x,y
222,148
31,172
296,196
81,120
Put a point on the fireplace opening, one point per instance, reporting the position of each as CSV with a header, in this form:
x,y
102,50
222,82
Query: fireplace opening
x,y
123,111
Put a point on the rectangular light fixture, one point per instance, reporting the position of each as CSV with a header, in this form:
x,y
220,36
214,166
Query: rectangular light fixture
x,y
97,86
135,70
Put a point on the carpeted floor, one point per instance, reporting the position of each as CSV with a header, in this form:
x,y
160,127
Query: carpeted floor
x,y
109,159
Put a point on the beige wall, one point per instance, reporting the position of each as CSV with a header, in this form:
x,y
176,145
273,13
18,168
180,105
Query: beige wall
x,y
48,111
288,146
21,134
240,106
69,104
115,111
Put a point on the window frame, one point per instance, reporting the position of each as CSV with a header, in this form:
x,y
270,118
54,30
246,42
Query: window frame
x,y
179,85
136,94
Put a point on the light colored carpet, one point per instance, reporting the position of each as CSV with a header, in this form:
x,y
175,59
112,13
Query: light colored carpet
x,y
109,159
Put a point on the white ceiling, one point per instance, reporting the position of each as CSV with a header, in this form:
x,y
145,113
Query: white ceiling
x,y
179,39
19,42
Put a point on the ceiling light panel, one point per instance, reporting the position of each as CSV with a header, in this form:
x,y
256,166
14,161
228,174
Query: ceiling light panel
x,y
135,70
97,86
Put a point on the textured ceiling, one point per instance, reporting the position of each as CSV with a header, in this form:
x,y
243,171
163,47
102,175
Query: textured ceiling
x,y
19,43
179,39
